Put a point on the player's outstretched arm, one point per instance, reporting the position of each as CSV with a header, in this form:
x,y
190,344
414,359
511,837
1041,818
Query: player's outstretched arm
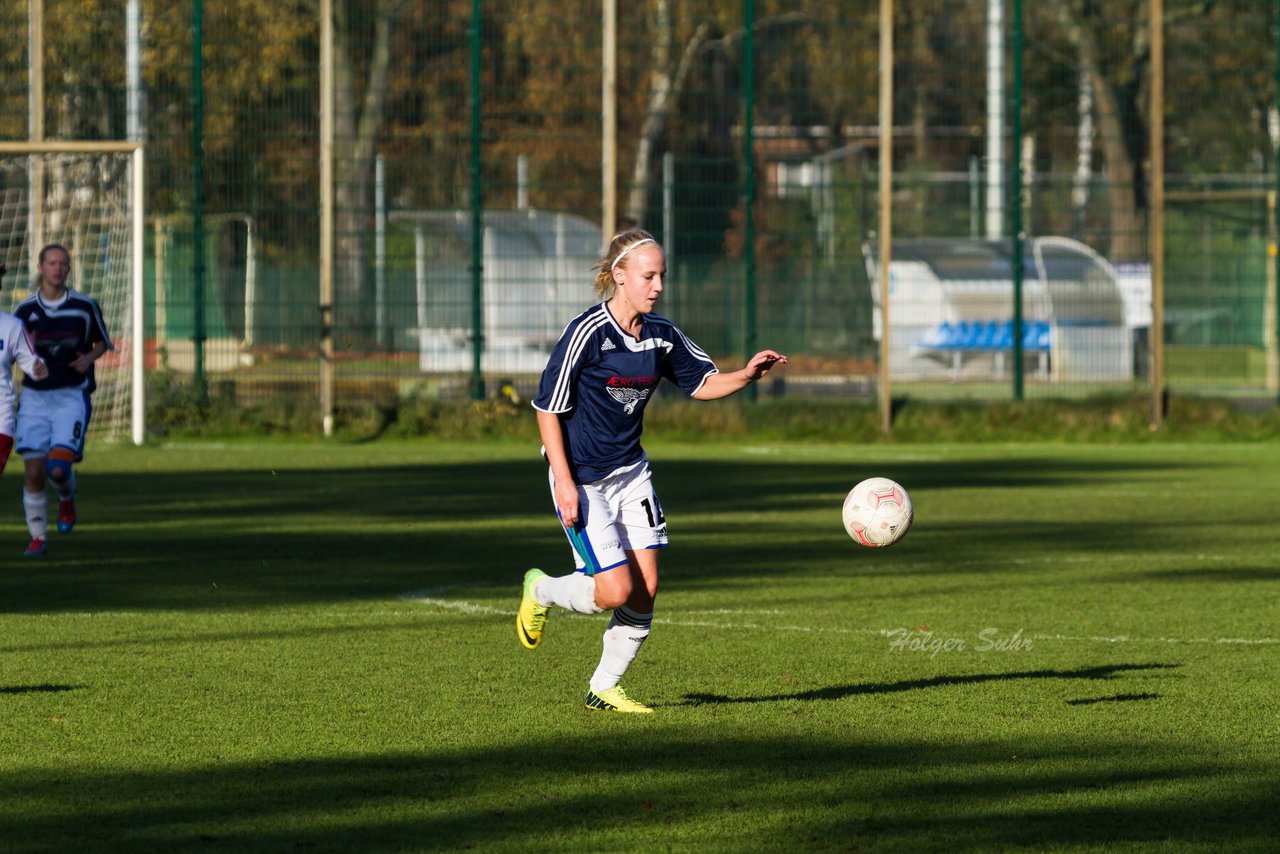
x,y
723,385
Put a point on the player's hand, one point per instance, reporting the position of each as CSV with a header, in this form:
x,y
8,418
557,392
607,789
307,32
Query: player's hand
x,y
567,502
761,363
82,363
39,370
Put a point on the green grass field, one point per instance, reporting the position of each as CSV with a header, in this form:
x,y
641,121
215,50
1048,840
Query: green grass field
x,y
311,646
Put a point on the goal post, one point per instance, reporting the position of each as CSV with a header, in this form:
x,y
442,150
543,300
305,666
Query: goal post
x,y
89,196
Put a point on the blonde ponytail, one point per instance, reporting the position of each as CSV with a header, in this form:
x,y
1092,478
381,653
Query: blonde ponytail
x,y
622,243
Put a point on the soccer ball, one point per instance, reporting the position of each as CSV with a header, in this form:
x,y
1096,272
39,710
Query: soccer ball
x,y
877,512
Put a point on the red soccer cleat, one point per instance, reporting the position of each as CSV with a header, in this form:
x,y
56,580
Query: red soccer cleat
x,y
66,515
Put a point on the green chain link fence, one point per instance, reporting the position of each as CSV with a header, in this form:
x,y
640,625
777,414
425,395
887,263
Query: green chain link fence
x,y
747,141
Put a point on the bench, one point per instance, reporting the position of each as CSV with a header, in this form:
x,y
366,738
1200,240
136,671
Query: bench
x,y
953,343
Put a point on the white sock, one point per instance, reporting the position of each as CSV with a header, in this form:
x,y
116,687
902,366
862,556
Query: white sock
x,y
576,592
627,632
37,507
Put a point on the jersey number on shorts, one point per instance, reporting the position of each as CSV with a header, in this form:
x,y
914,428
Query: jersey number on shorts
x,y
648,510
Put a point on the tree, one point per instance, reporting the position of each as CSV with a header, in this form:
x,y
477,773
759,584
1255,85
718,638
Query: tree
x,y
1121,134
1113,48
355,146
665,85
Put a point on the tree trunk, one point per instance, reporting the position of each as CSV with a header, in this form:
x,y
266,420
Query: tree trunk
x,y
664,90
1128,237
355,145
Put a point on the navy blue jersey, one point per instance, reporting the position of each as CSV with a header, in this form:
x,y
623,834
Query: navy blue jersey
x,y
62,332
599,380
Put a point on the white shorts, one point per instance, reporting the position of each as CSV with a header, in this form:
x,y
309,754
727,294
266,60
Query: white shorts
x,y
618,514
52,418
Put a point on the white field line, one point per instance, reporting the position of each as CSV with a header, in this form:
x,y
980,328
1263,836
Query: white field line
x,y
427,597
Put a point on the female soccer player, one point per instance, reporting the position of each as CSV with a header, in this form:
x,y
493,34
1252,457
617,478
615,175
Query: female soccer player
x,y
590,404
16,347
53,413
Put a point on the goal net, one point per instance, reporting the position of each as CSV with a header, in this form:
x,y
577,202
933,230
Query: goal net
x,y
87,197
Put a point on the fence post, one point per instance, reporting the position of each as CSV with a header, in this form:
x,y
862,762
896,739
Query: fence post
x,y
609,123
197,191
749,177
326,216
886,204
1157,214
477,214
1272,330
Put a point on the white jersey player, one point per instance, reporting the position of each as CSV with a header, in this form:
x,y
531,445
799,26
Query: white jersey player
x,y
16,348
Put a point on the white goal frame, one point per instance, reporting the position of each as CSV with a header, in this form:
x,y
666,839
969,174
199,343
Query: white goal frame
x,y
138,340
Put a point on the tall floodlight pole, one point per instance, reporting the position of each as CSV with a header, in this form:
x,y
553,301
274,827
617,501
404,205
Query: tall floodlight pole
x,y
133,128
35,126
609,122
1157,214
1016,227
133,70
326,216
995,119
886,204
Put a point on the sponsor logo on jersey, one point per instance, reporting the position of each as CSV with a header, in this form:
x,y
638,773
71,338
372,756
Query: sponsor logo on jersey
x,y
633,382
629,397
608,345
629,391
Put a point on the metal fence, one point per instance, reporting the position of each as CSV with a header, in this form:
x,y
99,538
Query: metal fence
x,y
451,196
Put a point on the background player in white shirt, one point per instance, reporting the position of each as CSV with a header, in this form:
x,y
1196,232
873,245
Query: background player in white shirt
x,y
598,380
16,347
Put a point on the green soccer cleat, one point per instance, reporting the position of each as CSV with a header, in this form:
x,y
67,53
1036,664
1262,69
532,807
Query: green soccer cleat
x,y
615,700
531,617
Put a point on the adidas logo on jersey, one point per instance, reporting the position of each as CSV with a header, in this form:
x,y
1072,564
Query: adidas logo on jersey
x,y
608,345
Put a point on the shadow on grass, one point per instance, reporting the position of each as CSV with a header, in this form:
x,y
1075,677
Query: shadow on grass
x,y
684,792
37,689
1200,575
839,692
208,539
1114,698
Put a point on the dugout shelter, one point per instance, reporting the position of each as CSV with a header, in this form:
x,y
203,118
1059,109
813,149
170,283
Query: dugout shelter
x,y
951,310
537,275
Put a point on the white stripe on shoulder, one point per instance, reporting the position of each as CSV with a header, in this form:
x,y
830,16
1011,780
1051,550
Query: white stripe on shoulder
x,y
562,392
691,347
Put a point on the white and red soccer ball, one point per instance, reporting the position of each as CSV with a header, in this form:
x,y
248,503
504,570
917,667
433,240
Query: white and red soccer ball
x,y
878,512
